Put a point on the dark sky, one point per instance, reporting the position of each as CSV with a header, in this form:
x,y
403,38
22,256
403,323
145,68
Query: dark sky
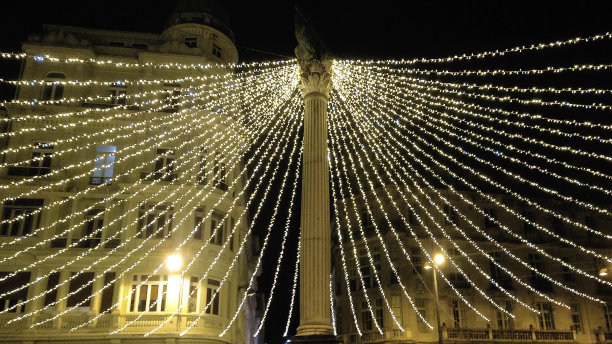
x,y
377,29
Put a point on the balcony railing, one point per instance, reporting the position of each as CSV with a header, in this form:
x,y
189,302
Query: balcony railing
x,y
603,336
27,171
100,180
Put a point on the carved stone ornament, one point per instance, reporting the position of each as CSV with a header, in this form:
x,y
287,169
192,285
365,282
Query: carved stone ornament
x,y
315,77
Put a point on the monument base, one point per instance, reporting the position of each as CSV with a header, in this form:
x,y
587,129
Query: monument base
x,y
315,339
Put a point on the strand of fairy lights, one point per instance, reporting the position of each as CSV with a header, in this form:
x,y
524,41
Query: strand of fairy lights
x,y
159,267
80,164
82,193
341,240
509,99
446,235
294,288
331,304
294,105
116,106
173,65
362,192
529,244
142,257
283,243
492,53
97,120
417,83
268,230
342,140
567,198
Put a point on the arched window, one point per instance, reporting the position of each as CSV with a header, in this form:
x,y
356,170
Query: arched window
x,y
54,90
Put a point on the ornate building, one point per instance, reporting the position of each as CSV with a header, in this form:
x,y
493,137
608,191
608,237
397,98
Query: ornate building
x,y
584,322
84,269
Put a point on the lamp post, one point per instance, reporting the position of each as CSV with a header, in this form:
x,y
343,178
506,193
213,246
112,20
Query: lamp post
x,y
174,263
438,260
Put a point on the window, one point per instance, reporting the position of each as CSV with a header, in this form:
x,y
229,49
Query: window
x,y
117,93
54,89
193,295
231,238
106,301
608,316
352,272
164,166
497,274
367,274
155,220
504,321
220,172
451,215
202,171
212,297
421,306
82,297
9,301
339,320
191,42
94,221
413,218
378,311
151,295
366,317
216,50
459,314
537,281
104,165
217,225
417,260
52,282
567,274
366,219
396,307
40,164
457,279
22,212
576,317
171,97
489,220
545,317
198,223
529,227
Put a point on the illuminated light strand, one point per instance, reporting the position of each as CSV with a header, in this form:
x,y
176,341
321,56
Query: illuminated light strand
x,y
414,234
70,198
268,230
142,257
294,288
331,304
521,217
340,243
417,83
49,58
294,105
161,265
283,242
392,173
121,216
75,116
117,106
532,203
342,141
505,99
337,171
487,72
492,53
79,148
526,242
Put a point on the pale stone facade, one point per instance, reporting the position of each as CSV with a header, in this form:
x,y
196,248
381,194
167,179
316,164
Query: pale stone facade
x,y
586,322
193,36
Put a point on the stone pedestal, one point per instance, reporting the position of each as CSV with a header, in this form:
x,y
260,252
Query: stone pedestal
x,y
315,260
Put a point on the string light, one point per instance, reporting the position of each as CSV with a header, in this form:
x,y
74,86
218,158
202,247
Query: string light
x,y
294,288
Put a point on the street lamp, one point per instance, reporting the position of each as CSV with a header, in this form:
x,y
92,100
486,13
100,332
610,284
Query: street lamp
x,y
438,260
603,272
174,262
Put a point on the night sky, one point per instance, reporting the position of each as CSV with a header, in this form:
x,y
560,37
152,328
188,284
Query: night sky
x,y
378,29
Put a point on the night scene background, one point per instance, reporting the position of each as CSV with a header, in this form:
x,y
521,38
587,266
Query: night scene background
x,y
376,29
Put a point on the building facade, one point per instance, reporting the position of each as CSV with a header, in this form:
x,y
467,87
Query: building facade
x,y
86,244
584,322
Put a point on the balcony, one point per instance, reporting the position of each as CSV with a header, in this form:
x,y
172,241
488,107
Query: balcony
x,y
27,171
164,177
100,180
603,337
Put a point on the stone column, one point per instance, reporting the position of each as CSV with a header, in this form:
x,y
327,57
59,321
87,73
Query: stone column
x,y
315,260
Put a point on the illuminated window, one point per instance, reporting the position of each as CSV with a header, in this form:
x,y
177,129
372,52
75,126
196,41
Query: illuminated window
x,y
151,295
104,165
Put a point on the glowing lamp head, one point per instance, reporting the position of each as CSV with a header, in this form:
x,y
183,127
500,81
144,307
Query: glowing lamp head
x,y
174,262
427,266
603,272
439,258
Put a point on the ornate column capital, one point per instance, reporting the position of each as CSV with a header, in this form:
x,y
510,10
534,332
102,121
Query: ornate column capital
x,y
315,78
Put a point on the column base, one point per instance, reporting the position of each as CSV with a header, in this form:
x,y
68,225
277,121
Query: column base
x,y
316,339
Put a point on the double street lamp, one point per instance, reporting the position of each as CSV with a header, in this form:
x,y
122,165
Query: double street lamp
x,y
438,260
